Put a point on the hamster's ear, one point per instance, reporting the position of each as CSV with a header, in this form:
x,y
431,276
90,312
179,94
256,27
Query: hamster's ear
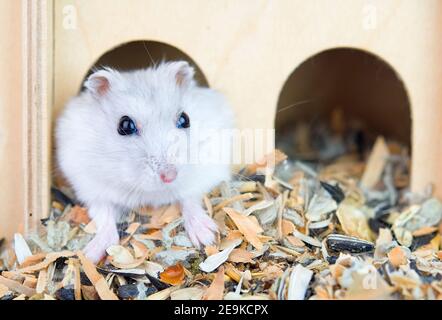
x,y
183,73
100,82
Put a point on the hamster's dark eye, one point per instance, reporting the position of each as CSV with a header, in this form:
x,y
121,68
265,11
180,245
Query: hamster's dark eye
x,y
127,126
183,121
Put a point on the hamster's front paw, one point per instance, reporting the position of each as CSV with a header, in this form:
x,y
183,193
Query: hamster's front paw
x,y
96,248
200,228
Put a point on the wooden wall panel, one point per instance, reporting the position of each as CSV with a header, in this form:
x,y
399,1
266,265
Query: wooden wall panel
x,y
11,152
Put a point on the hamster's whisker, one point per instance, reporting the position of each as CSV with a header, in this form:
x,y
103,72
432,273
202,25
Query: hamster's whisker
x,y
140,143
134,186
150,56
242,176
113,152
106,154
135,191
294,105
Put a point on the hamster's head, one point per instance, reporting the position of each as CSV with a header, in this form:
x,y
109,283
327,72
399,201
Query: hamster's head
x,y
143,124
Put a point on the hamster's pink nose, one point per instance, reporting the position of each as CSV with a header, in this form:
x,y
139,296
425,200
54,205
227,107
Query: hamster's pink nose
x,y
169,175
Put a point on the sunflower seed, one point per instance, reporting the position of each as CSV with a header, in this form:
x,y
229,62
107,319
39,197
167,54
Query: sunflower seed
x,y
338,242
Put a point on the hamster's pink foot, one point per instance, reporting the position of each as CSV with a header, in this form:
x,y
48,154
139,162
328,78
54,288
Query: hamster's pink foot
x,y
96,248
200,228
107,233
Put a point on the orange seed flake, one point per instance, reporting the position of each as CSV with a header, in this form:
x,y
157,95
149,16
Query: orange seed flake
x,y
173,275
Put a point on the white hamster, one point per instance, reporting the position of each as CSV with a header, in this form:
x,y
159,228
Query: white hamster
x,y
118,142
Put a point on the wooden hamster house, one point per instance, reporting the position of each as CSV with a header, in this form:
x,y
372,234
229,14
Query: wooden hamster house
x,y
253,51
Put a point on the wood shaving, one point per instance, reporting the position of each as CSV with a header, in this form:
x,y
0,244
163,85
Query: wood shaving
x,y
216,289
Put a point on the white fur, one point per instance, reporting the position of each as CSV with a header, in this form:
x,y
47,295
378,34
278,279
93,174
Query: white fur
x,y
120,173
